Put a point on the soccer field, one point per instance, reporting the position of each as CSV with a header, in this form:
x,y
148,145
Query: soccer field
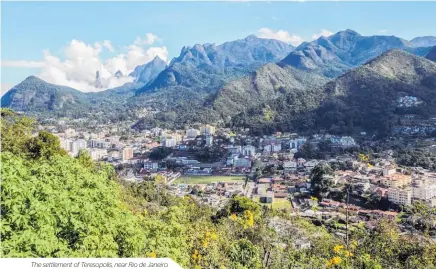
x,y
208,179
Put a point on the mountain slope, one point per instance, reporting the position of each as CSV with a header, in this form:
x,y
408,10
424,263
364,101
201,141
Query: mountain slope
x,y
336,54
424,41
365,99
432,54
34,94
267,83
149,71
207,67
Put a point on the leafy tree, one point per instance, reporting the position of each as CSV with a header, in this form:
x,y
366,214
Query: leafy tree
x,y
45,145
320,180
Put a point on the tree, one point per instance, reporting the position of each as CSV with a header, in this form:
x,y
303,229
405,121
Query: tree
x,y
243,254
45,145
320,180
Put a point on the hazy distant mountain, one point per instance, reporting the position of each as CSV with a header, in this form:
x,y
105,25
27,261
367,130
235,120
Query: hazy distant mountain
x,y
34,94
366,98
424,41
334,55
432,54
149,71
207,67
118,74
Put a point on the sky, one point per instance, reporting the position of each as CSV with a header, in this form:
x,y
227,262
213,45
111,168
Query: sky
x,y
65,43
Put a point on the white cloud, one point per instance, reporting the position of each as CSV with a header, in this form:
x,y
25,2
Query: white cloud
x,y
149,39
81,61
323,32
383,31
22,64
281,35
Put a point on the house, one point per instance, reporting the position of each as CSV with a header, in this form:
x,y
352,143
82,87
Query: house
x,y
290,166
264,180
249,150
149,165
242,162
281,195
268,197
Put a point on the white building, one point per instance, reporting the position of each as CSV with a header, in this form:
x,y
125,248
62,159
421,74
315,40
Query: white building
x,y
95,143
66,144
209,140
97,154
297,143
156,131
151,165
347,141
290,166
424,190
242,162
169,142
276,147
400,196
207,129
76,146
248,150
192,133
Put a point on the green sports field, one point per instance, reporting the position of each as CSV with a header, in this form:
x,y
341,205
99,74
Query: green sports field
x,y
208,179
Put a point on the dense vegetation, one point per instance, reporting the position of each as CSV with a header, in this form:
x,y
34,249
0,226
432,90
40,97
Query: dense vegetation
x,y
364,99
53,205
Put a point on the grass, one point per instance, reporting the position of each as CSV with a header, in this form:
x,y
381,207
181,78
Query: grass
x,y
281,203
208,179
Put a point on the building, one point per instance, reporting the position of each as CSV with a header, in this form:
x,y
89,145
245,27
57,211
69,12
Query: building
x,y
151,165
97,154
396,181
290,166
66,144
76,146
347,141
127,153
400,196
389,170
207,129
192,133
209,140
169,142
242,162
249,150
297,143
424,190
94,143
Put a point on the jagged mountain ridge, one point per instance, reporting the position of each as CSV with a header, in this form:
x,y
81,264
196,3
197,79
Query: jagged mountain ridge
x,y
207,67
149,71
338,53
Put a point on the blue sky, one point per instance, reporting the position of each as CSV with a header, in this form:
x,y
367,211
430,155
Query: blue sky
x,y
29,28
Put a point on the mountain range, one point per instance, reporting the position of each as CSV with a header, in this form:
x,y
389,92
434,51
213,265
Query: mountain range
x,y
250,82
338,53
363,99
